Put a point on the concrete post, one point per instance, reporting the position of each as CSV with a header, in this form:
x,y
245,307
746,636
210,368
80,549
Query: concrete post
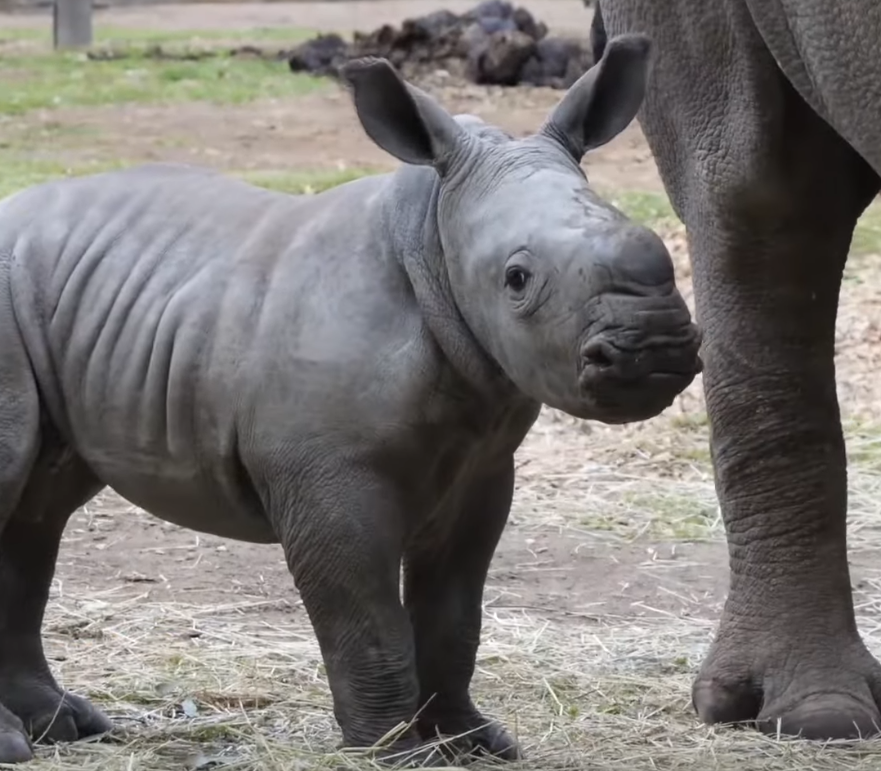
x,y
72,23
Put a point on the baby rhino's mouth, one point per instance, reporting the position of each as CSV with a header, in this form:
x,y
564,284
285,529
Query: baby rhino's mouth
x,y
601,358
628,377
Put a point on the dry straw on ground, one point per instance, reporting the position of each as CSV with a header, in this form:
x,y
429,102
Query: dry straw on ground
x,y
195,685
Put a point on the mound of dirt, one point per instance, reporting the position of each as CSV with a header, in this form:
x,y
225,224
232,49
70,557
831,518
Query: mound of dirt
x,y
494,43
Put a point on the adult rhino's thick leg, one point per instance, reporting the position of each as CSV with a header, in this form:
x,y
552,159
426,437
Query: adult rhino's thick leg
x,y
770,196
768,257
342,534
59,482
443,590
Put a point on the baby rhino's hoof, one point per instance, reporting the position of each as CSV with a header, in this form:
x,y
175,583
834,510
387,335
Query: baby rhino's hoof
x,y
15,748
14,744
456,752
469,735
441,757
49,714
71,718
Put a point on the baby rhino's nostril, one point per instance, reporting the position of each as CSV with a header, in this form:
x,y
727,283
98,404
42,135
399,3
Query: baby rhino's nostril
x,y
598,354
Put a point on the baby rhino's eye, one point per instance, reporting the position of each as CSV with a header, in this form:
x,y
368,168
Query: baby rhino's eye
x,y
516,278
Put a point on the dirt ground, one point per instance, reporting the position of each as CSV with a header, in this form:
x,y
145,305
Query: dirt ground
x,y
318,130
578,550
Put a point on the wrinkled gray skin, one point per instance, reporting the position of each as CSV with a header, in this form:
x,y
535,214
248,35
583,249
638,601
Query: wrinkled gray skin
x,y
765,120
347,374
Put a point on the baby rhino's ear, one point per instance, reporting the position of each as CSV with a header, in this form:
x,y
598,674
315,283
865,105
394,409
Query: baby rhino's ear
x,y
400,118
603,101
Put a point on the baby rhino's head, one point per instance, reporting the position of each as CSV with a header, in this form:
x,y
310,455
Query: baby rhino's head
x,y
575,302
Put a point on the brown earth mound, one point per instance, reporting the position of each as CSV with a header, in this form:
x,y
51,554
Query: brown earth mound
x,y
494,43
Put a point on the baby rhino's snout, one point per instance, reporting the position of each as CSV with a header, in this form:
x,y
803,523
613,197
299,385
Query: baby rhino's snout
x,y
644,352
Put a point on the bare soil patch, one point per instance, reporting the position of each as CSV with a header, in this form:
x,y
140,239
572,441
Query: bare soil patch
x,y
318,131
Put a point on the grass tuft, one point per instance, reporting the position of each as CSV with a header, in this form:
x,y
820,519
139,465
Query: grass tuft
x,y
69,80
36,78
306,181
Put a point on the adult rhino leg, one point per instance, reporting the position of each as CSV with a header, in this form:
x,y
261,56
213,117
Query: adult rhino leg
x,y
58,484
768,258
342,535
770,196
443,590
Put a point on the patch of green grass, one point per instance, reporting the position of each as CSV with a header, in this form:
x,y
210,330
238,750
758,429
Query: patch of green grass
x,y
17,35
22,163
863,445
71,80
284,35
867,237
665,515
691,421
17,172
677,517
104,34
42,136
646,207
35,77
306,180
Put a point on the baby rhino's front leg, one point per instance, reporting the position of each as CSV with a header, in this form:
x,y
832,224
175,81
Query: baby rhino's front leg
x,y
443,590
343,541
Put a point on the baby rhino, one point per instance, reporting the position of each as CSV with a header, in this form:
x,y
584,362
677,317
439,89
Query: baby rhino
x,y
346,374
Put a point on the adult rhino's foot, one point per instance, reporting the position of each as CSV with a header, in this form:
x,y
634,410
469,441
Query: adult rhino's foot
x,y
468,734
49,714
14,744
828,691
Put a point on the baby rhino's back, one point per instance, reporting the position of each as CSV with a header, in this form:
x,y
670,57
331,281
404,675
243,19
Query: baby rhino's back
x,y
166,310
120,281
